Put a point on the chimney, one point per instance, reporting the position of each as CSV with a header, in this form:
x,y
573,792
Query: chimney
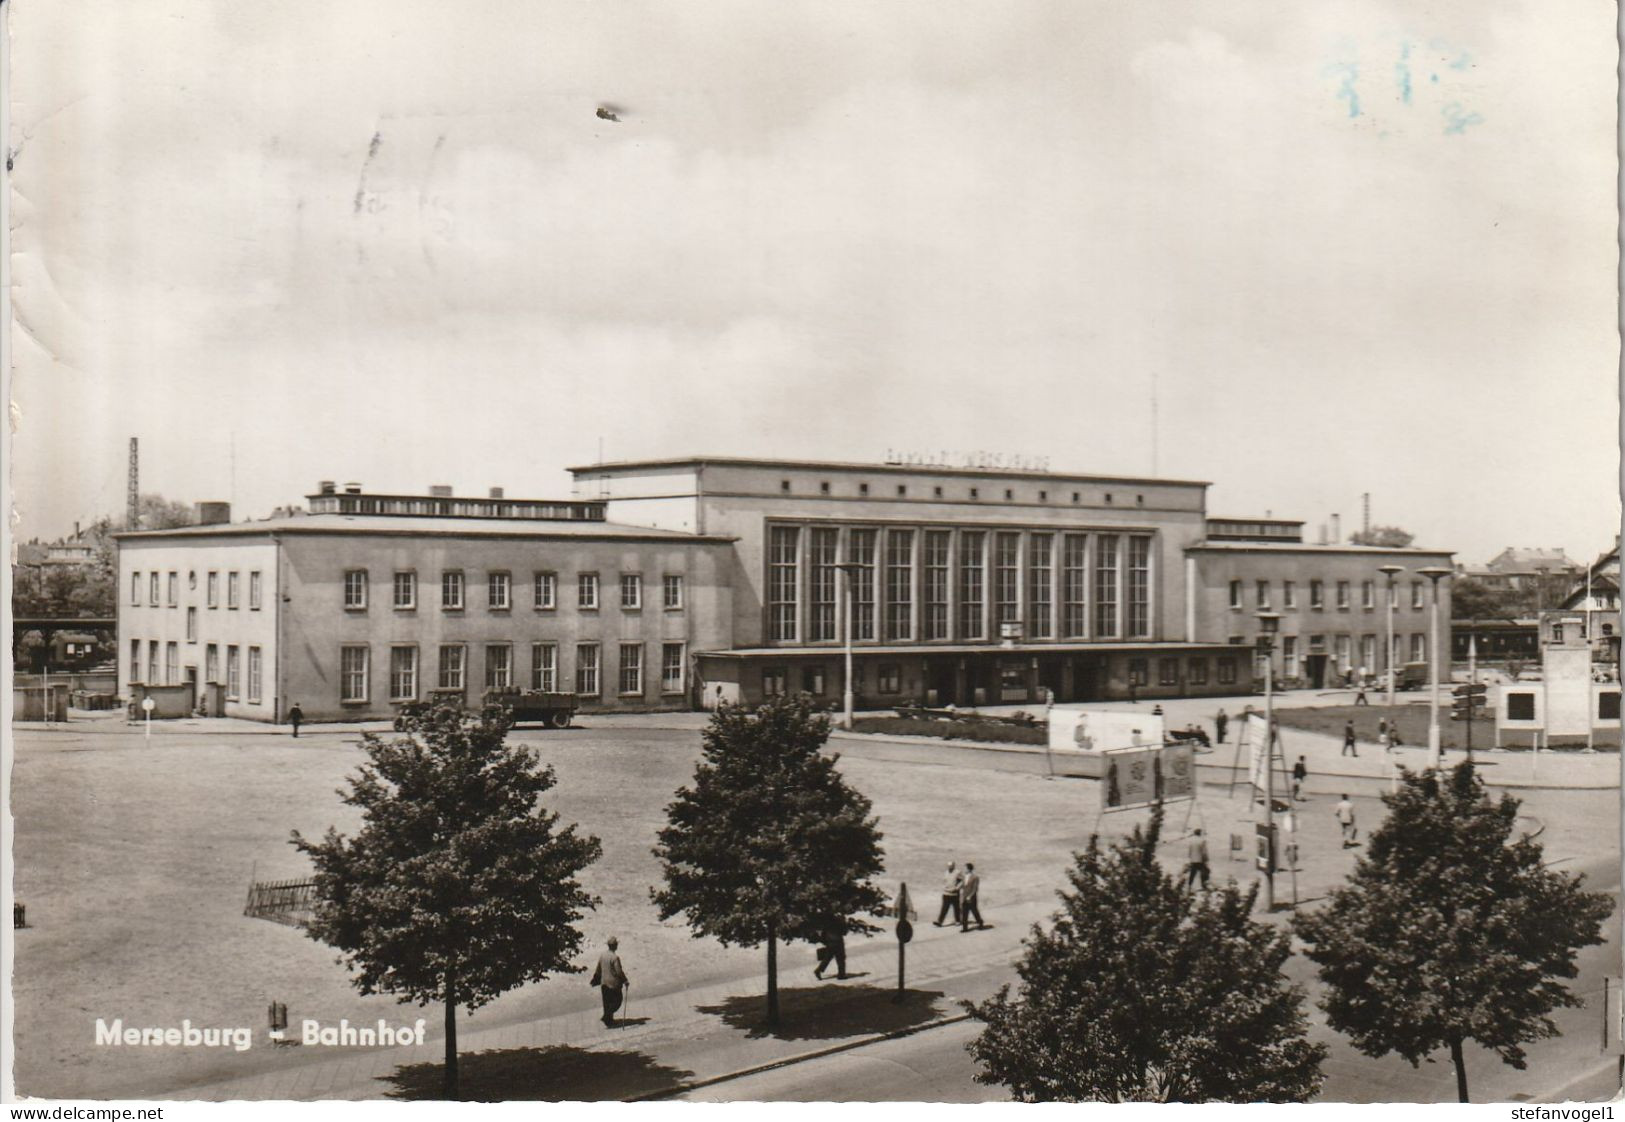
x,y
496,492
352,488
1337,529
212,513
440,490
327,487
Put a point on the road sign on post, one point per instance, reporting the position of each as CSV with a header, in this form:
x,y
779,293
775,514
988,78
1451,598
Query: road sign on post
x,y
905,932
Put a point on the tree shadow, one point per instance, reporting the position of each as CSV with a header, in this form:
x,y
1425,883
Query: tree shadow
x,y
828,1012
560,1073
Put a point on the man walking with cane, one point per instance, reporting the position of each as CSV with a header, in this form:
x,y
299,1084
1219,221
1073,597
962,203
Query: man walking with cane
x,y
610,976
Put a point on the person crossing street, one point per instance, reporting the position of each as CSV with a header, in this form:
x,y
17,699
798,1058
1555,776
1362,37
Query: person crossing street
x,y
968,891
610,978
950,894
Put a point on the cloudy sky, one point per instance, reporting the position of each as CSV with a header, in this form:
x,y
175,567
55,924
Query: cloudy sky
x,y
1356,247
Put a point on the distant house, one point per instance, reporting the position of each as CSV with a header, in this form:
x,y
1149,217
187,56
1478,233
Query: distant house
x,y
1596,597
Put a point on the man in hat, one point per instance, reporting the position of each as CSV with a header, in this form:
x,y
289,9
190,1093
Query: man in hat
x,y
610,976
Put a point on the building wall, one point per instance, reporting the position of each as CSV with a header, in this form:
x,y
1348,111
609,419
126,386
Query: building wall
x,y
246,628
1351,636
319,625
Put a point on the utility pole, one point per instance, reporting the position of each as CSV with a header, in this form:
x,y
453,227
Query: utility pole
x,y
132,515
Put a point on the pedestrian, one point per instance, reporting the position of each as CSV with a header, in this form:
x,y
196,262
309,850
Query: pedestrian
x,y
1156,710
1196,859
1345,818
1300,772
950,894
1221,721
1360,697
1348,741
295,715
832,949
610,978
968,890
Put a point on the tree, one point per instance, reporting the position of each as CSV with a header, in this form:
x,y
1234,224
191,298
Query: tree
x,y
1390,537
459,886
159,513
1142,990
1472,599
1450,929
769,844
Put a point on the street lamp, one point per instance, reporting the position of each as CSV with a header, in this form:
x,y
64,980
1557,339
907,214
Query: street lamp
x,y
1269,623
1391,571
1435,574
851,570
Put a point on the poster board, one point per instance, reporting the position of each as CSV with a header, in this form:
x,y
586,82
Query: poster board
x,y
1141,777
1079,738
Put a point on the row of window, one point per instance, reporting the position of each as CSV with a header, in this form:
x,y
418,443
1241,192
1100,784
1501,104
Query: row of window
x,y
1317,595
889,675
499,590
1342,651
452,669
956,584
172,589
973,492
170,673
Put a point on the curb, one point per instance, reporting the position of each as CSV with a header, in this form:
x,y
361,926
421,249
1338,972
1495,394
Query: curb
x,y
798,1058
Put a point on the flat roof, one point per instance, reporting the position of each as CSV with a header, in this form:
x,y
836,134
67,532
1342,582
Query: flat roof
x,y
910,469
1306,547
426,526
1260,521
975,648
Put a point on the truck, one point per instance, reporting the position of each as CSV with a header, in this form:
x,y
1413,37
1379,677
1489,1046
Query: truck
x,y
551,708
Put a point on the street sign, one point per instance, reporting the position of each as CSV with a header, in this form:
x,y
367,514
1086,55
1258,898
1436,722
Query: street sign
x,y
148,704
1473,689
905,931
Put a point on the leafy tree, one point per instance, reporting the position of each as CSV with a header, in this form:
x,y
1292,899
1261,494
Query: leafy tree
x,y
1142,990
159,513
1472,599
1390,537
769,844
1450,930
459,886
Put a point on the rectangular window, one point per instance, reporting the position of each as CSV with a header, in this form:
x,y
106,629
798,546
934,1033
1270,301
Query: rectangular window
x,y
587,669
1342,595
1007,578
174,590
1261,593
499,591
1227,671
889,678
1289,655
403,673
233,673
783,543
1075,586
671,592
587,591
631,591
544,667
1139,588
1416,596
255,674
152,663
1106,586
631,669
1289,594
1167,672
972,575
234,590
773,681
823,584
191,624
671,667
1419,647
211,663
451,590
1235,596
863,547
1139,672
135,590
1040,560
899,584
547,591
172,663
214,590
1196,671
1368,595
355,589
135,660
152,591
254,591
1368,654
812,681
353,672
498,666
406,591
453,659
1345,652
1317,595
934,617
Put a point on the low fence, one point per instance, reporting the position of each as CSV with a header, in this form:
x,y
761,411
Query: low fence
x,y
167,701
292,902
40,703
86,681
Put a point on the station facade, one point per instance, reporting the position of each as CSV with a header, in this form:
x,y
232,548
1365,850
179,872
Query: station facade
x,y
679,583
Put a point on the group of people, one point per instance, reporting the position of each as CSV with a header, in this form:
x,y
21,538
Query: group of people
x,y
959,897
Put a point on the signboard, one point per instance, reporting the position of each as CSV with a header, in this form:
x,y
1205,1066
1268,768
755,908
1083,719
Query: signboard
x,y
1613,1018
1135,777
1099,730
1258,759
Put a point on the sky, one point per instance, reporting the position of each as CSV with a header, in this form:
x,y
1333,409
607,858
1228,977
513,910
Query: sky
x,y
1303,251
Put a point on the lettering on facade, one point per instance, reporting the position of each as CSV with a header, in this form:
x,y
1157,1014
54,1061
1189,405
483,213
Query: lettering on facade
x,y
979,460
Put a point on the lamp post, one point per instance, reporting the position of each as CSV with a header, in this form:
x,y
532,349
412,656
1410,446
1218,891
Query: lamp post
x,y
1435,574
1268,624
1391,571
850,569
